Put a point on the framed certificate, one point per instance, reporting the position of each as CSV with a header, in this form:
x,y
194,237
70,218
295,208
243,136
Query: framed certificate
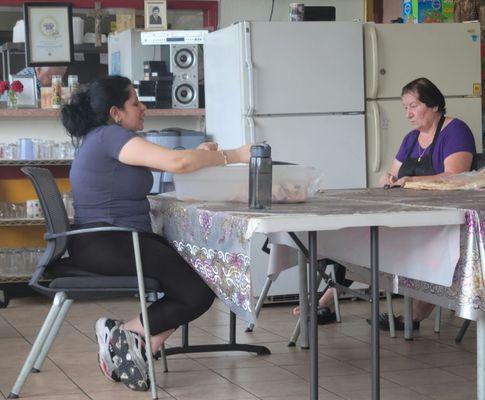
x,y
48,34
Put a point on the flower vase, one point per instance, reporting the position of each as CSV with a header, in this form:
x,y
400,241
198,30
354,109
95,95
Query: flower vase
x,y
12,100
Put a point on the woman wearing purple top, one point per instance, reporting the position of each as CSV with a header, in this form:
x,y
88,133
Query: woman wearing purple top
x,y
438,146
110,180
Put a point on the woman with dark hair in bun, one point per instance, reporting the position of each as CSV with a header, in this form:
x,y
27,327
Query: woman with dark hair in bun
x,y
110,180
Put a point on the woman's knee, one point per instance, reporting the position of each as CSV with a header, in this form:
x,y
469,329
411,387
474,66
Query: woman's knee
x,y
201,300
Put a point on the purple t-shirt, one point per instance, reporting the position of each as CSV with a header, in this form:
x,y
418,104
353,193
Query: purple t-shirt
x,y
454,137
106,190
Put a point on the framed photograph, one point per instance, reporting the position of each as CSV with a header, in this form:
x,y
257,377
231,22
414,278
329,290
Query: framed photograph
x,y
48,34
125,19
28,97
155,15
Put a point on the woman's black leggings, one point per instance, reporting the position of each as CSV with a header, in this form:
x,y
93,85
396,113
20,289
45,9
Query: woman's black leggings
x,y
111,253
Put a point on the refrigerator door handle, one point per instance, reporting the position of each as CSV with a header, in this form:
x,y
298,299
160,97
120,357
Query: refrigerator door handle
x,y
249,65
375,118
374,61
252,136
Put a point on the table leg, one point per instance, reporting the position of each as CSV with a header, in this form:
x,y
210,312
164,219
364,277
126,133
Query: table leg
x,y
231,346
313,332
481,359
374,263
408,318
302,276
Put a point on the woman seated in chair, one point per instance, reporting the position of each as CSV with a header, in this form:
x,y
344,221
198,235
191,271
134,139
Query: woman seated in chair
x,y
438,146
110,180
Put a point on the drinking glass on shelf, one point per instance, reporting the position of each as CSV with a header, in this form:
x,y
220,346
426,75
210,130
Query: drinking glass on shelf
x,y
3,147
37,143
3,259
4,209
18,210
11,151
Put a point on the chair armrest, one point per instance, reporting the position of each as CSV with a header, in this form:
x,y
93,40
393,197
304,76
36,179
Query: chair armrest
x,y
49,236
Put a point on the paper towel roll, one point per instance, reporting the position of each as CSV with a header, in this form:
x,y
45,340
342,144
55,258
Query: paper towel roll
x,y
19,32
78,30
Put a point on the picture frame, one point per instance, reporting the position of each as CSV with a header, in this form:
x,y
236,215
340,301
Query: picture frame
x,y
48,34
29,96
125,19
155,15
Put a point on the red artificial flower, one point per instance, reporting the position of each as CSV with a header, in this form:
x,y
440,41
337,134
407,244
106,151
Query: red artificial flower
x,y
17,86
3,87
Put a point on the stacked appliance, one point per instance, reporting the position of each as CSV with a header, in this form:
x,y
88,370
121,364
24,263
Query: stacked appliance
x,y
155,90
127,56
184,65
300,86
395,54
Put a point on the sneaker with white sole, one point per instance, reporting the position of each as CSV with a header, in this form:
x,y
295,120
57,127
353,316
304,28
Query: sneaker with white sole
x,y
130,356
104,331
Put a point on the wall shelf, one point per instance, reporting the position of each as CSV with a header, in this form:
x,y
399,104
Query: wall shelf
x,y
21,163
21,221
51,113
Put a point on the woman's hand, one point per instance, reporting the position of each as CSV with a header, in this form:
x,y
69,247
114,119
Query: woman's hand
x,y
210,146
401,182
243,153
388,180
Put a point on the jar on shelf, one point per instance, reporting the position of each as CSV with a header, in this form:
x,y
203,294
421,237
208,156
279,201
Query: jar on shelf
x,y
72,84
56,91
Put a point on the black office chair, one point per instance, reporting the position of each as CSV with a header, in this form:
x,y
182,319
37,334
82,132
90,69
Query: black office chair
x,y
57,278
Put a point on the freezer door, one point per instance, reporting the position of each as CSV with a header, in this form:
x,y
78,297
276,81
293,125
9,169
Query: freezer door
x,y
334,144
386,126
223,79
308,67
447,54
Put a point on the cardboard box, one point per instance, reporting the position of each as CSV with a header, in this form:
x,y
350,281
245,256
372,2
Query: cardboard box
x,y
419,11
448,10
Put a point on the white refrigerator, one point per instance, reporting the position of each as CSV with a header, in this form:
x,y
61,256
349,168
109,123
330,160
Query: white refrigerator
x,y
300,86
295,86
395,54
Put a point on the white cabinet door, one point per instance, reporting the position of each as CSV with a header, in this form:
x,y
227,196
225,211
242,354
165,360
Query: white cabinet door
x,y
447,54
334,144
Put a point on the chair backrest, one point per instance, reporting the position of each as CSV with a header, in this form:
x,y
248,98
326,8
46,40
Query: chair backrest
x,y
53,208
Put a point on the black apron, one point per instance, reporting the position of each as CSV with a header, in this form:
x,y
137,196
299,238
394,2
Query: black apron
x,y
423,165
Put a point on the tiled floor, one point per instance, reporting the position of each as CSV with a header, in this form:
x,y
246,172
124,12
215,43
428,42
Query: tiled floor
x,y
430,367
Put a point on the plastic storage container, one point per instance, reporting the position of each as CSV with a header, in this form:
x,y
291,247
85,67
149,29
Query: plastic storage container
x,y
291,184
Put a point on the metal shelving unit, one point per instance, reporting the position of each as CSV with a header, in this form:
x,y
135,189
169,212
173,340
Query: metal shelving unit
x,y
22,163
22,222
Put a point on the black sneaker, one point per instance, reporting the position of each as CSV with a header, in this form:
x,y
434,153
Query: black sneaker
x,y
326,316
398,322
129,348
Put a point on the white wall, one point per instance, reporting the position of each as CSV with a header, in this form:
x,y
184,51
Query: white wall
x,y
392,10
231,11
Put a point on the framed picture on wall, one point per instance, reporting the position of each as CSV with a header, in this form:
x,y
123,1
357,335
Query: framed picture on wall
x,y
155,15
28,97
48,34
